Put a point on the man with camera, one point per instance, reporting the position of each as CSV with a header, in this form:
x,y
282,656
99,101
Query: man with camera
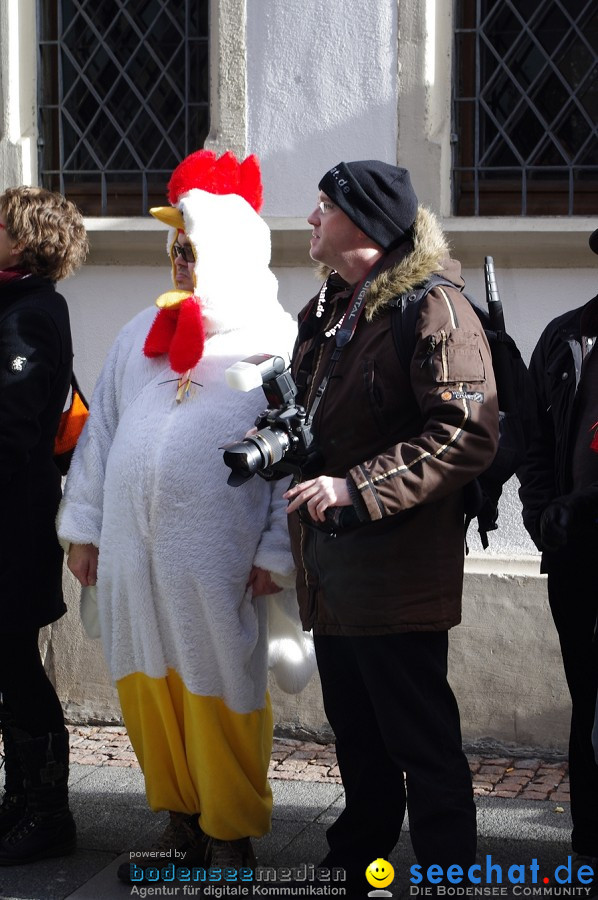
x,y
377,526
559,491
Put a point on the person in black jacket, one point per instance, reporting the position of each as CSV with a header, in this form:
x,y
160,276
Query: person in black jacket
x,y
42,239
559,492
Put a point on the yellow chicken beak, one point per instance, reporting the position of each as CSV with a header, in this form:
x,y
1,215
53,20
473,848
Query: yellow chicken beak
x,y
170,215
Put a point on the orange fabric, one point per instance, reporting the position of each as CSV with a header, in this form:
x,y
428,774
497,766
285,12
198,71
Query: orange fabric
x,y
71,425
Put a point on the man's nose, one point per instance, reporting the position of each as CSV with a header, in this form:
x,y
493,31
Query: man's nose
x,y
314,218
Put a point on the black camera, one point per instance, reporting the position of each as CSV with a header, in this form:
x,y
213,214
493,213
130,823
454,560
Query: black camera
x,y
283,442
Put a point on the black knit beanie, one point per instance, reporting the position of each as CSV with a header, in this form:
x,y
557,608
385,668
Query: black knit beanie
x,y
594,241
376,196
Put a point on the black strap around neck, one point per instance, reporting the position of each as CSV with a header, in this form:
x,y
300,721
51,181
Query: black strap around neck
x,y
346,331
356,306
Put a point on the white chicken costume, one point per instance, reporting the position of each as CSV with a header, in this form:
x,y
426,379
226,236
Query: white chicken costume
x,y
185,642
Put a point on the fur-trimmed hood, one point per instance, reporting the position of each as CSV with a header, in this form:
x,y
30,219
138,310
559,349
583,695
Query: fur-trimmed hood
x,y
405,271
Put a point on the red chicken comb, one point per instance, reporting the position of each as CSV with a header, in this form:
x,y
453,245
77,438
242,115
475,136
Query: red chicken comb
x,y
223,175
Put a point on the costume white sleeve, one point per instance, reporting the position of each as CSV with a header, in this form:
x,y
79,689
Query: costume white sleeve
x,y
274,549
79,519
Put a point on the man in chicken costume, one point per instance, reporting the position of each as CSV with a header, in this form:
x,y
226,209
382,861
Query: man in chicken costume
x,y
184,559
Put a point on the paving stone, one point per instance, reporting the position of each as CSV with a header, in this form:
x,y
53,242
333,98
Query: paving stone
x,y
526,764
529,794
292,765
487,777
293,759
487,769
524,773
548,783
513,783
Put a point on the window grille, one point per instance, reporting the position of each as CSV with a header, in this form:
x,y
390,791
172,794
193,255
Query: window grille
x,y
123,96
526,107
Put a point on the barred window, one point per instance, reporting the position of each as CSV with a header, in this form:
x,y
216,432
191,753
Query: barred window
x,y
526,107
123,96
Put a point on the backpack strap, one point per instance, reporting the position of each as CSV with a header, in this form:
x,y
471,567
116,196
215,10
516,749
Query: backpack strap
x,y
404,322
405,313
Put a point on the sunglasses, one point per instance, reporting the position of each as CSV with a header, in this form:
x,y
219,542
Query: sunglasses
x,y
185,251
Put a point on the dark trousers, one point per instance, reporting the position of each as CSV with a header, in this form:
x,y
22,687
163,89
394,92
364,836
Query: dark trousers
x,y
573,596
27,692
392,712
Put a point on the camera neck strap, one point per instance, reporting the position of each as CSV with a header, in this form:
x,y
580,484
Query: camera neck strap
x,y
356,306
346,330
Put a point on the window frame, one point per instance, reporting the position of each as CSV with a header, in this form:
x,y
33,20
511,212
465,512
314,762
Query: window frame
x,y
113,190
525,189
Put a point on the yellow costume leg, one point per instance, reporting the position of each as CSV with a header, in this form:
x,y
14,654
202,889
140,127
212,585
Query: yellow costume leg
x,y
199,756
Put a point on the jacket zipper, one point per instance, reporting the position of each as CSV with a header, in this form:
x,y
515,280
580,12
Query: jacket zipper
x,y
444,357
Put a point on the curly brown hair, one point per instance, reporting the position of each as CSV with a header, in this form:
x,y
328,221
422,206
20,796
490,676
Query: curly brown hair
x,y
48,227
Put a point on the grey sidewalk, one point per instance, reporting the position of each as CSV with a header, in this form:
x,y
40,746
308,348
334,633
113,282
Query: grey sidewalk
x,y
109,805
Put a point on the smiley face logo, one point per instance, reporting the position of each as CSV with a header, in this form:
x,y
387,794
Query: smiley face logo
x,y
380,873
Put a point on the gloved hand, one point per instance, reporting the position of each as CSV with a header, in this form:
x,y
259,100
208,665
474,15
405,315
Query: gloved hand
x,y
567,516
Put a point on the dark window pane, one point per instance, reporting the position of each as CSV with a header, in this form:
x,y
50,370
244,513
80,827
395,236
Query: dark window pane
x,y
123,93
525,107
550,28
588,94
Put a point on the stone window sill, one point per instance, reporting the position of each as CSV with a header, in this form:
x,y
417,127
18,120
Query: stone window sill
x,y
551,242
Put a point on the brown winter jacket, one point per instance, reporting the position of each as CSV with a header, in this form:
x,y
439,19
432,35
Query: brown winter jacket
x,y
407,443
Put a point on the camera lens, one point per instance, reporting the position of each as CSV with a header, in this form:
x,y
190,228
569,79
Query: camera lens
x,y
260,451
243,458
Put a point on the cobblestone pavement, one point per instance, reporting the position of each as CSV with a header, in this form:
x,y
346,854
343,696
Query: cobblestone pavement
x,y
526,779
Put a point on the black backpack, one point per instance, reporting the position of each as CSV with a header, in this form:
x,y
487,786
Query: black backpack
x,y
514,388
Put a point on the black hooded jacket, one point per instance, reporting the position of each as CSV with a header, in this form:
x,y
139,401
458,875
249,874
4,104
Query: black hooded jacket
x,y
35,370
555,368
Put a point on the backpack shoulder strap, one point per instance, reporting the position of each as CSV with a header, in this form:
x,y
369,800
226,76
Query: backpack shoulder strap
x,y
405,313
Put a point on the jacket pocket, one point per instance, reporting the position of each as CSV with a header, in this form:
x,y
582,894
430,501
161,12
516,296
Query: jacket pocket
x,y
456,357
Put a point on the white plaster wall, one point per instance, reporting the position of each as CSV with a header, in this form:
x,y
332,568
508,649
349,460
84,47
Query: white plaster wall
x,y
321,87
505,663
101,300
18,163
424,98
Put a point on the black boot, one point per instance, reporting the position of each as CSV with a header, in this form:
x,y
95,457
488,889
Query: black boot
x,y
13,803
47,828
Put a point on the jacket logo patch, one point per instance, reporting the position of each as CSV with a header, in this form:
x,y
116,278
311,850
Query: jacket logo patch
x,y
18,363
472,396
